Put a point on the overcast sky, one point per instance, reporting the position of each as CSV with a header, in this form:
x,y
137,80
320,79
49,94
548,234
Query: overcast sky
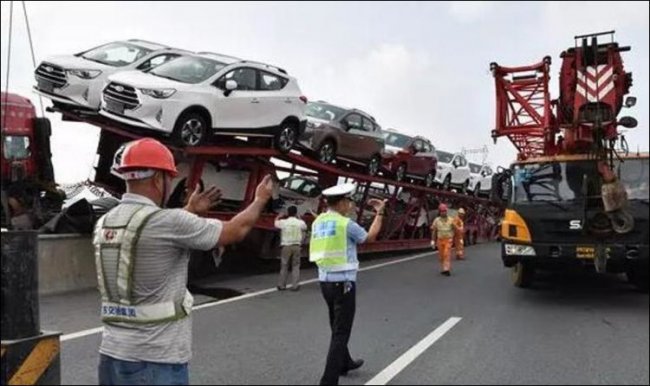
x,y
422,68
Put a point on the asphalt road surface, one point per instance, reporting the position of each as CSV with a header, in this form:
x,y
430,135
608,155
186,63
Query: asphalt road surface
x,y
412,326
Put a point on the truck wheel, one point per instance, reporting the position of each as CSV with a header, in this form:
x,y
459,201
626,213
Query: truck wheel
x,y
523,274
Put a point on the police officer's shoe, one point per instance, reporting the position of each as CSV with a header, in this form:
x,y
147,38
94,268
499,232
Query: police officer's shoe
x,y
352,366
281,288
445,273
296,288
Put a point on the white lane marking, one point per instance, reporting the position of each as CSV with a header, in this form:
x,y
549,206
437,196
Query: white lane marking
x,y
98,330
413,353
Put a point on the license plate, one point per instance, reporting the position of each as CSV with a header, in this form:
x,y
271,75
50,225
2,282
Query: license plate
x,y
585,252
46,86
115,107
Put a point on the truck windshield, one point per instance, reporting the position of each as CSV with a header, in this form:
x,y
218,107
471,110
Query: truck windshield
x,y
563,181
16,147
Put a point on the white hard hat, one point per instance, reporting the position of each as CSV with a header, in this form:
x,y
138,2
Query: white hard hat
x,y
340,190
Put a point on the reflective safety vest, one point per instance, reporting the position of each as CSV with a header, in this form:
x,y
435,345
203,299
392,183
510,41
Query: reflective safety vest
x,y
115,243
328,246
444,228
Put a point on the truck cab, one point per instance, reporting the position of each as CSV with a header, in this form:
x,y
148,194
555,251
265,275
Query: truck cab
x,y
556,217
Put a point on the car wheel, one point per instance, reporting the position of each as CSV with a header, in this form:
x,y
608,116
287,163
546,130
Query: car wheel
x,y
447,182
191,129
327,152
400,173
523,274
373,165
465,187
286,138
477,188
429,179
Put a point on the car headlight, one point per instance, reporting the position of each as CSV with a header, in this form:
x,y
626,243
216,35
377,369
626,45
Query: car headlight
x,y
521,250
161,93
85,74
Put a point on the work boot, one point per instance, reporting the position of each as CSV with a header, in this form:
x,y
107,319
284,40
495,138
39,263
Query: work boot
x,y
296,288
281,288
445,273
352,366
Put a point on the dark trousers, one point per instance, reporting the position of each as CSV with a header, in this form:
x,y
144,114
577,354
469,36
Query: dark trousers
x,y
341,302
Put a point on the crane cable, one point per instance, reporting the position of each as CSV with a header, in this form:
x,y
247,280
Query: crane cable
x,y
11,20
31,47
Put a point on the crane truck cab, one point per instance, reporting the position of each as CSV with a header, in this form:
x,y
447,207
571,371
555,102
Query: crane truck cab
x,y
559,213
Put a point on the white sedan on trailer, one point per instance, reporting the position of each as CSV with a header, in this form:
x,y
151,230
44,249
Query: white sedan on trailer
x,y
452,170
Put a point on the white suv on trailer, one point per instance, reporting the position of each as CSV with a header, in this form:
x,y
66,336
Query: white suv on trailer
x,y
453,170
193,96
76,81
480,180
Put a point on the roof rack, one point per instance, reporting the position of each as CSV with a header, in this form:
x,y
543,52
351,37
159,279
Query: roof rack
x,y
276,68
148,42
218,54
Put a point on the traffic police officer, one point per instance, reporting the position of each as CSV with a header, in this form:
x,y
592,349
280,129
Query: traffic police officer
x,y
333,247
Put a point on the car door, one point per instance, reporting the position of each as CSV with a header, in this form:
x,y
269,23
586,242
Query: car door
x,y
350,139
239,108
456,171
486,180
370,138
275,106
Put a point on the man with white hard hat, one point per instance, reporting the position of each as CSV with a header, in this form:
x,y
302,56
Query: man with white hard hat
x,y
333,248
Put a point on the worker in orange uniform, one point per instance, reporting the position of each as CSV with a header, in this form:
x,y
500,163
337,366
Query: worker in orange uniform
x,y
442,235
459,234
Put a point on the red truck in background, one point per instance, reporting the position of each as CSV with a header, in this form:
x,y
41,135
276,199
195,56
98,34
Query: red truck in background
x,y
29,194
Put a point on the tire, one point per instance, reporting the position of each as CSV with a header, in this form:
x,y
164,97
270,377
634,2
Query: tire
x,y
446,183
191,129
465,187
400,173
523,274
430,179
374,165
477,189
286,138
326,152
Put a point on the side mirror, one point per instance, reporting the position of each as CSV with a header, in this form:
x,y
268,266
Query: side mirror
x,y
628,122
630,101
345,125
231,85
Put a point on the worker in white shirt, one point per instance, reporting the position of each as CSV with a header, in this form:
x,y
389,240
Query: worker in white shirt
x,y
292,233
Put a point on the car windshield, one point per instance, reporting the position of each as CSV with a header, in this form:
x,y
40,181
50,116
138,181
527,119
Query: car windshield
x,y
188,69
445,157
397,140
564,181
16,147
116,54
474,168
324,111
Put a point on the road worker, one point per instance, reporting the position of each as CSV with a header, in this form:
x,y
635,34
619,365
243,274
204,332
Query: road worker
x,y
141,254
333,247
442,236
459,234
292,232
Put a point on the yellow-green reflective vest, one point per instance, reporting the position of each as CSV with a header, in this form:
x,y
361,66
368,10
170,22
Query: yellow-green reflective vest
x,y
328,246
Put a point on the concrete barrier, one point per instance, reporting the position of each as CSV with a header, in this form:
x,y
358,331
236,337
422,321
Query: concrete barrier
x,y
65,263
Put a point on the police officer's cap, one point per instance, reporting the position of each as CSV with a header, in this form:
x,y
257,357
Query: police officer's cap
x,y
339,191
